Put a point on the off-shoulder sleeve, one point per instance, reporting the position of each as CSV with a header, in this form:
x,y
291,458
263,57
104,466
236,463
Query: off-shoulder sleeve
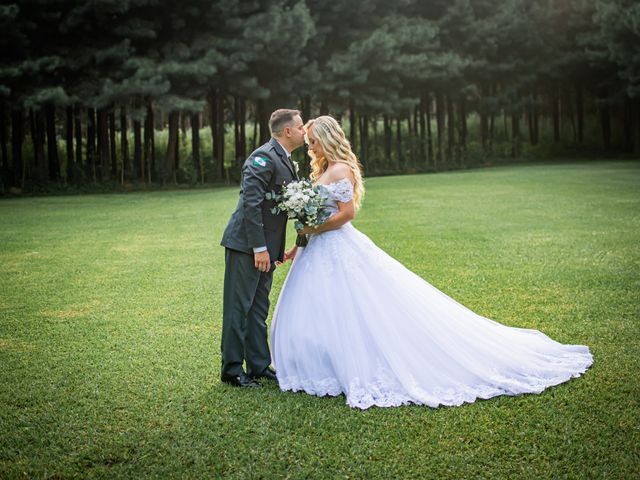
x,y
343,190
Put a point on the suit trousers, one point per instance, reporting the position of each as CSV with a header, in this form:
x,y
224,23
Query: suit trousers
x,y
244,315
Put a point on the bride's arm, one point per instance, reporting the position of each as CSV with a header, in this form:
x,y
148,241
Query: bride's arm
x,y
346,212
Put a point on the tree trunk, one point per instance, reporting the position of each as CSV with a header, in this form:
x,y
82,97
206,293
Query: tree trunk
x,y
263,116
236,135
183,126
3,145
138,157
239,112
52,143
492,120
536,118
636,130
580,113
171,157
305,104
353,126
213,126
450,130
505,125
365,139
69,141
627,126
264,127
463,130
91,144
530,124
568,107
387,139
243,129
429,132
103,143
423,132
78,133
399,155
605,120
38,140
440,126
515,134
149,143
412,135
124,145
254,139
374,128
112,143
324,108
176,152
364,142
159,121
195,147
484,123
555,112
17,138
451,122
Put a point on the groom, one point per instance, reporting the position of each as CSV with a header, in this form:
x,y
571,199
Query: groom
x,y
254,240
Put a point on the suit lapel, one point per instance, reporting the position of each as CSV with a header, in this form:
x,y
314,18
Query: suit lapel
x,y
283,156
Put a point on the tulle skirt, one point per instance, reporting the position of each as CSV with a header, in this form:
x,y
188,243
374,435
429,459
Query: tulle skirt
x,y
352,320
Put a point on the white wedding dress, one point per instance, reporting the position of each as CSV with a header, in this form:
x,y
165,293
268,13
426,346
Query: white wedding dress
x,y
351,319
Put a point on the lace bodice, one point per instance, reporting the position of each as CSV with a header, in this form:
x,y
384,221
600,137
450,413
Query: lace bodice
x,y
340,191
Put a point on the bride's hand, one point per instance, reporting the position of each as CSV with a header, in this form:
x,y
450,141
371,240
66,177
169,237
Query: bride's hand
x,y
306,229
290,254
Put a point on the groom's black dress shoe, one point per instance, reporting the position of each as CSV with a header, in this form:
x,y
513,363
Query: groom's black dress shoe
x,y
240,380
267,373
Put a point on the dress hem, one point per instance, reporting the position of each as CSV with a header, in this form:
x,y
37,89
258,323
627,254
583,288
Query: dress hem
x,y
365,399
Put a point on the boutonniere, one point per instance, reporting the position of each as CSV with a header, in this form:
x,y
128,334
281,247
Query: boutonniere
x,y
295,166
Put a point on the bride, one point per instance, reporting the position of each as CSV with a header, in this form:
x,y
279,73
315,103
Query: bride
x,y
351,319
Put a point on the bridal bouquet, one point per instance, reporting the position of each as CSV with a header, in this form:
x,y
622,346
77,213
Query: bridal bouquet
x,y
303,202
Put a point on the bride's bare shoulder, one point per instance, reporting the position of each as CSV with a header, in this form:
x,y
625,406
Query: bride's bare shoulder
x,y
340,171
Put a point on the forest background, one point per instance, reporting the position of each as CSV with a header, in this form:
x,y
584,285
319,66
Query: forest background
x,y
136,93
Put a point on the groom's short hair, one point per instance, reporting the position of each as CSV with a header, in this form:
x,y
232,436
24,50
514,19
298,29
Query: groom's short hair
x,y
280,118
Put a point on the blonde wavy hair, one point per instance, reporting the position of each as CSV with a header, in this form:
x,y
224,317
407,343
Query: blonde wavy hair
x,y
337,149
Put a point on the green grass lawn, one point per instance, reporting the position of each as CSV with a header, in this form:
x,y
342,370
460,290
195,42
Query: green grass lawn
x,y
110,314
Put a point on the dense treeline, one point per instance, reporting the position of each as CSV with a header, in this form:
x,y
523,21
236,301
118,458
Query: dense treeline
x,y
112,90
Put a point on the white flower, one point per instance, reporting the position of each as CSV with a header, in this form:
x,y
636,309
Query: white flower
x,y
298,197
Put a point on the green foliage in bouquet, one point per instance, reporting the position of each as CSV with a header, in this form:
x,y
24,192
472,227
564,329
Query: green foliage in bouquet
x,y
303,202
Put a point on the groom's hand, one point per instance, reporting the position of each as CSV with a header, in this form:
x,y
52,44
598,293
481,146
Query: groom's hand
x,y
262,261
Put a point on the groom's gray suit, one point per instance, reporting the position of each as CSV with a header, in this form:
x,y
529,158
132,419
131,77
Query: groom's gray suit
x,y
246,289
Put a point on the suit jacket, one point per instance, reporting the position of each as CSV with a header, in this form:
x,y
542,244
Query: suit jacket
x,y
252,224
